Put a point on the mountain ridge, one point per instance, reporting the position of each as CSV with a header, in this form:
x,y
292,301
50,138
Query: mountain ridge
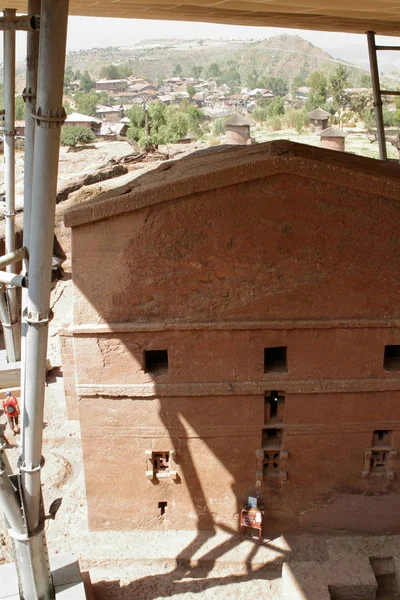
x,y
284,55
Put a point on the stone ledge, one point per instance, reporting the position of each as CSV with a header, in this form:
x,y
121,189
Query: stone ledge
x,y
152,390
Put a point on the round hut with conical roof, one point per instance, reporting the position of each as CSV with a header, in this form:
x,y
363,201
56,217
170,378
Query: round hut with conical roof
x,y
319,118
237,129
333,138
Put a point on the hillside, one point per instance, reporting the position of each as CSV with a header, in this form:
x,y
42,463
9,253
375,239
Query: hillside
x,y
284,56
288,56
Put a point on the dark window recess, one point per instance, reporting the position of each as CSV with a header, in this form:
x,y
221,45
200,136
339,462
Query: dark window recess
x,y
271,462
385,574
272,437
160,462
156,361
162,507
275,360
391,361
379,461
382,437
273,407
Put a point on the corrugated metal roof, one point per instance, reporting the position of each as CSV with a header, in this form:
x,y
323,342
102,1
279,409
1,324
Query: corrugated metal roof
x,y
79,118
382,16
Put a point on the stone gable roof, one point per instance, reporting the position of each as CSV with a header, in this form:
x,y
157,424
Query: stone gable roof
x,y
231,165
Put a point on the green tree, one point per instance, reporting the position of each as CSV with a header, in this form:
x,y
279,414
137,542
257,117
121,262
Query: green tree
x,y
137,116
125,70
68,77
318,90
156,113
232,76
252,79
86,102
337,83
276,107
218,127
110,72
365,80
177,124
191,90
68,107
260,114
279,86
214,71
195,118
177,71
164,123
20,109
361,103
73,135
196,71
300,80
86,81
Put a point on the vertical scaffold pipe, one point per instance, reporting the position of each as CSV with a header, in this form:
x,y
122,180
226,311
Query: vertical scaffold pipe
x,y
32,57
13,353
10,506
376,91
49,116
5,319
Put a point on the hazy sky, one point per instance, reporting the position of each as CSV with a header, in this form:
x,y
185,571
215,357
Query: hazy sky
x,y
85,32
88,32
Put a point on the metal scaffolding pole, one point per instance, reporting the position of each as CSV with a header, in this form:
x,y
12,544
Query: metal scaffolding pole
x,y
376,91
5,319
49,116
29,94
14,352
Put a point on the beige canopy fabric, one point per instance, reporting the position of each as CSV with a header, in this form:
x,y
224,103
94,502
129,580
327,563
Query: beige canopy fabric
x,y
357,16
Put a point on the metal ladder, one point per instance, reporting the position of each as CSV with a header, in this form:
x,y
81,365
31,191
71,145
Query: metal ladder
x,y
377,92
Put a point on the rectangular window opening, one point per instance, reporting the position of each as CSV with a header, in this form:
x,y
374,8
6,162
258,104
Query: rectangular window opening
x,y
391,361
382,437
156,362
385,574
162,507
272,438
273,406
160,462
275,359
379,461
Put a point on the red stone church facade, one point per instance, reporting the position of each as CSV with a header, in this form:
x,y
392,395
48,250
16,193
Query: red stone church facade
x,y
236,333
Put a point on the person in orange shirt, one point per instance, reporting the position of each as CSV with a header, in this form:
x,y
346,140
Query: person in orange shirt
x,y
11,409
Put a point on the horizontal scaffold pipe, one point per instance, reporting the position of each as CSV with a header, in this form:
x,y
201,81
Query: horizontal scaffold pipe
x,y
13,257
20,23
390,92
12,279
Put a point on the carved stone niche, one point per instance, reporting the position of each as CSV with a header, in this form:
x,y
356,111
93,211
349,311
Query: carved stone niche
x,y
379,462
161,464
271,463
